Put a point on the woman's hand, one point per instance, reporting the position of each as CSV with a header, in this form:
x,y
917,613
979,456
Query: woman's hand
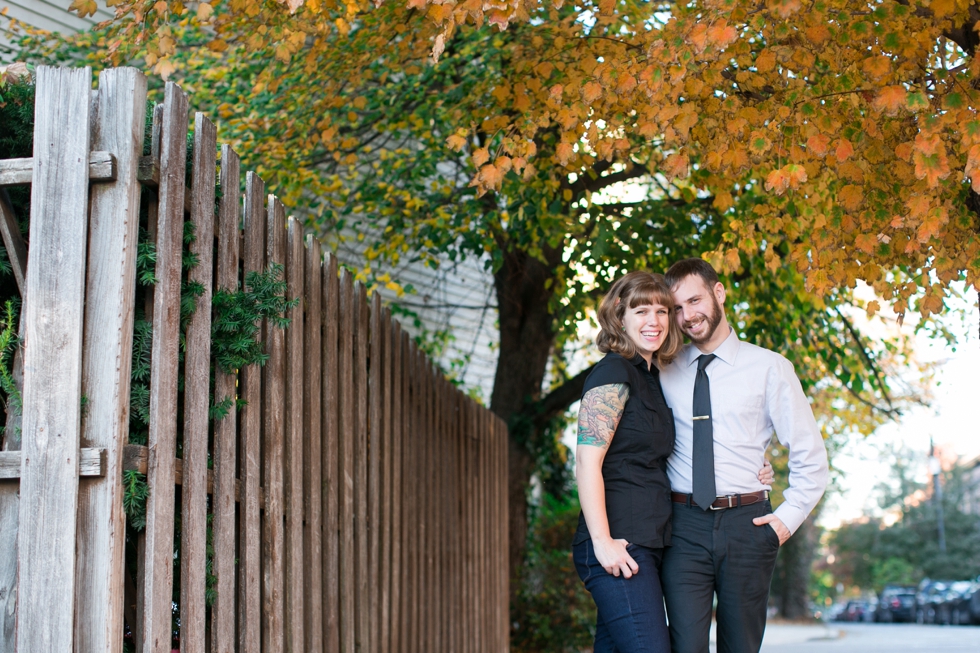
x,y
766,475
614,558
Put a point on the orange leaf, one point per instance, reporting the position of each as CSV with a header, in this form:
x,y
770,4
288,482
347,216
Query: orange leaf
x,y
877,67
456,142
564,152
721,34
851,197
890,99
777,182
844,149
766,61
480,157
592,91
786,8
676,166
698,36
866,243
818,144
818,33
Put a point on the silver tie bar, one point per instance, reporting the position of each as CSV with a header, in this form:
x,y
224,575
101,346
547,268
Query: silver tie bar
x,y
702,417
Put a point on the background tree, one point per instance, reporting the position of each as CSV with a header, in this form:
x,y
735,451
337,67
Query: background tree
x,y
562,152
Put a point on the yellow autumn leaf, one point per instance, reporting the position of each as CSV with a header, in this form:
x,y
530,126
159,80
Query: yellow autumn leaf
x,y
456,142
676,166
480,157
564,153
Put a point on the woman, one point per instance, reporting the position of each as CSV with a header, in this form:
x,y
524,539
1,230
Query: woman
x,y
625,434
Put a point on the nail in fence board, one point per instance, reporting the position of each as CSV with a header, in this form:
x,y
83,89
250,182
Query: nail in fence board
x,y
273,433
332,483
250,532
158,584
293,449
313,448
53,365
225,429
110,279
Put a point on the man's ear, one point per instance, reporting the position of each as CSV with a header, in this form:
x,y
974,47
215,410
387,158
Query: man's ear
x,y
719,290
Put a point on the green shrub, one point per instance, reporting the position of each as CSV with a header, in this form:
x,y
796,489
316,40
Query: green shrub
x,y
553,612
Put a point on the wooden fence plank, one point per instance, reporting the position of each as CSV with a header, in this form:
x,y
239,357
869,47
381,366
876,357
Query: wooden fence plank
x,y
385,491
294,596
403,641
375,380
158,597
346,442
332,473
249,587
106,360
312,452
413,514
225,429
53,366
273,435
362,595
197,363
395,492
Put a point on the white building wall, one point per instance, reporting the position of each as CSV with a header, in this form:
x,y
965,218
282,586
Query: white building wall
x,y
50,15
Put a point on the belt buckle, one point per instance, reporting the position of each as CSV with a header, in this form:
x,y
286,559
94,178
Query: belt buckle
x,y
730,504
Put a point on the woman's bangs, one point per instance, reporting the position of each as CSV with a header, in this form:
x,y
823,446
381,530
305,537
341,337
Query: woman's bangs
x,y
650,293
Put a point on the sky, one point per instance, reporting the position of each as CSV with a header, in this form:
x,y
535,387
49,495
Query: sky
x,y
952,419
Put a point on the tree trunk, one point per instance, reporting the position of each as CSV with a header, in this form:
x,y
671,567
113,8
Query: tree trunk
x,y
526,337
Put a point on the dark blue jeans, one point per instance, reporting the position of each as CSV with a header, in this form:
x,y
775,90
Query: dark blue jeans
x,y
631,616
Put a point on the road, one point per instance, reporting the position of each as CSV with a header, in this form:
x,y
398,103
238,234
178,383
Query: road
x,y
871,638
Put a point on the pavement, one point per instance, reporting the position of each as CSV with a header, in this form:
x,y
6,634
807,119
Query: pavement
x,y
869,638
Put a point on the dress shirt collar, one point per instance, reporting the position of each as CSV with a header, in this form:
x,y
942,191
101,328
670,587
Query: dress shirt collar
x,y
727,350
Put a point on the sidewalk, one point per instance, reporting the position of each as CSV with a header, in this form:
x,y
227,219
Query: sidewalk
x,y
784,633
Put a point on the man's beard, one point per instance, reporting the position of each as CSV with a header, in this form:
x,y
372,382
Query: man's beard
x,y
713,320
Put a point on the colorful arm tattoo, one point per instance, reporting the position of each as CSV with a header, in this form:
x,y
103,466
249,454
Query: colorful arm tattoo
x,y
600,412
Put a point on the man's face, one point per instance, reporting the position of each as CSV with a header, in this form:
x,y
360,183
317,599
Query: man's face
x,y
698,308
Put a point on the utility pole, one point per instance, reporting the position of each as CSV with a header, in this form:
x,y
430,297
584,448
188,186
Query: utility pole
x,y
935,469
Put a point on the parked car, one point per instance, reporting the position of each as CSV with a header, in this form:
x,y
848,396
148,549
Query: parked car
x,y
956,609
857,610
930,595
895,604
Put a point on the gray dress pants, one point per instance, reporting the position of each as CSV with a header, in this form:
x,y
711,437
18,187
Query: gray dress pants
x,y
718,552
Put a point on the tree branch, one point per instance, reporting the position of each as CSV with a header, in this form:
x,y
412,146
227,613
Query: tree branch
x,y
556,401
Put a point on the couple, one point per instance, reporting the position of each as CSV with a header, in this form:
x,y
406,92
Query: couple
x,y
644,540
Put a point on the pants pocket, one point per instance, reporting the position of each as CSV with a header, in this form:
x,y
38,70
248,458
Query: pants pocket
x,y
581,556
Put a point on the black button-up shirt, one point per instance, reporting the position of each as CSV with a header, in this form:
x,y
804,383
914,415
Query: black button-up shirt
x,y
634,469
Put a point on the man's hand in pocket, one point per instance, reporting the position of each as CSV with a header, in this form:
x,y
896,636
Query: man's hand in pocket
x,y
777,525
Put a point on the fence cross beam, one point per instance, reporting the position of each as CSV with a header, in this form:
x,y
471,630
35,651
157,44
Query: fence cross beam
x,y
17,172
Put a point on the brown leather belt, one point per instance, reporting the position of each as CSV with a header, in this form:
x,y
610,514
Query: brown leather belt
x,y
727,501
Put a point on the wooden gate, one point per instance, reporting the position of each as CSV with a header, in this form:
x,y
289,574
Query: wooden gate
x,y
356,502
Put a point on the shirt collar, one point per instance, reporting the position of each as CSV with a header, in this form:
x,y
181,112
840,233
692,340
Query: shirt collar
x,y
637,361
727,350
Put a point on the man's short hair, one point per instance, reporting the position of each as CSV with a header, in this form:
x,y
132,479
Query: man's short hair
x,y
686,267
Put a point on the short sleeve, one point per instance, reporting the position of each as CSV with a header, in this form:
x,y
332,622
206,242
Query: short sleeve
x,y
610,370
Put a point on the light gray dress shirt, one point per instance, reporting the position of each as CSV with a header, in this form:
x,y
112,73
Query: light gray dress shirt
x,y
754,391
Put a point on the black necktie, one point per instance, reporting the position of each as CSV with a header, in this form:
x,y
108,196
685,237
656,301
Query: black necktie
x,y
704,455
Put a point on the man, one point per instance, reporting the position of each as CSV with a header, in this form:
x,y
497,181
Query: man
x,y
728,397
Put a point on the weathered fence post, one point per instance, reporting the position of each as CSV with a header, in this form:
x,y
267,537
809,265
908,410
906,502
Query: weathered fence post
x,y
117,128
53,361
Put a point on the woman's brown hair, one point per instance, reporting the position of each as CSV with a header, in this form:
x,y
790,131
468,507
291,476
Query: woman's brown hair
x,y
636,289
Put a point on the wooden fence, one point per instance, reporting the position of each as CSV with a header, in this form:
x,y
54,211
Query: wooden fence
x,y
357,502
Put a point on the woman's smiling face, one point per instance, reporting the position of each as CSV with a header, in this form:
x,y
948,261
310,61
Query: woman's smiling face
x,y
646,325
